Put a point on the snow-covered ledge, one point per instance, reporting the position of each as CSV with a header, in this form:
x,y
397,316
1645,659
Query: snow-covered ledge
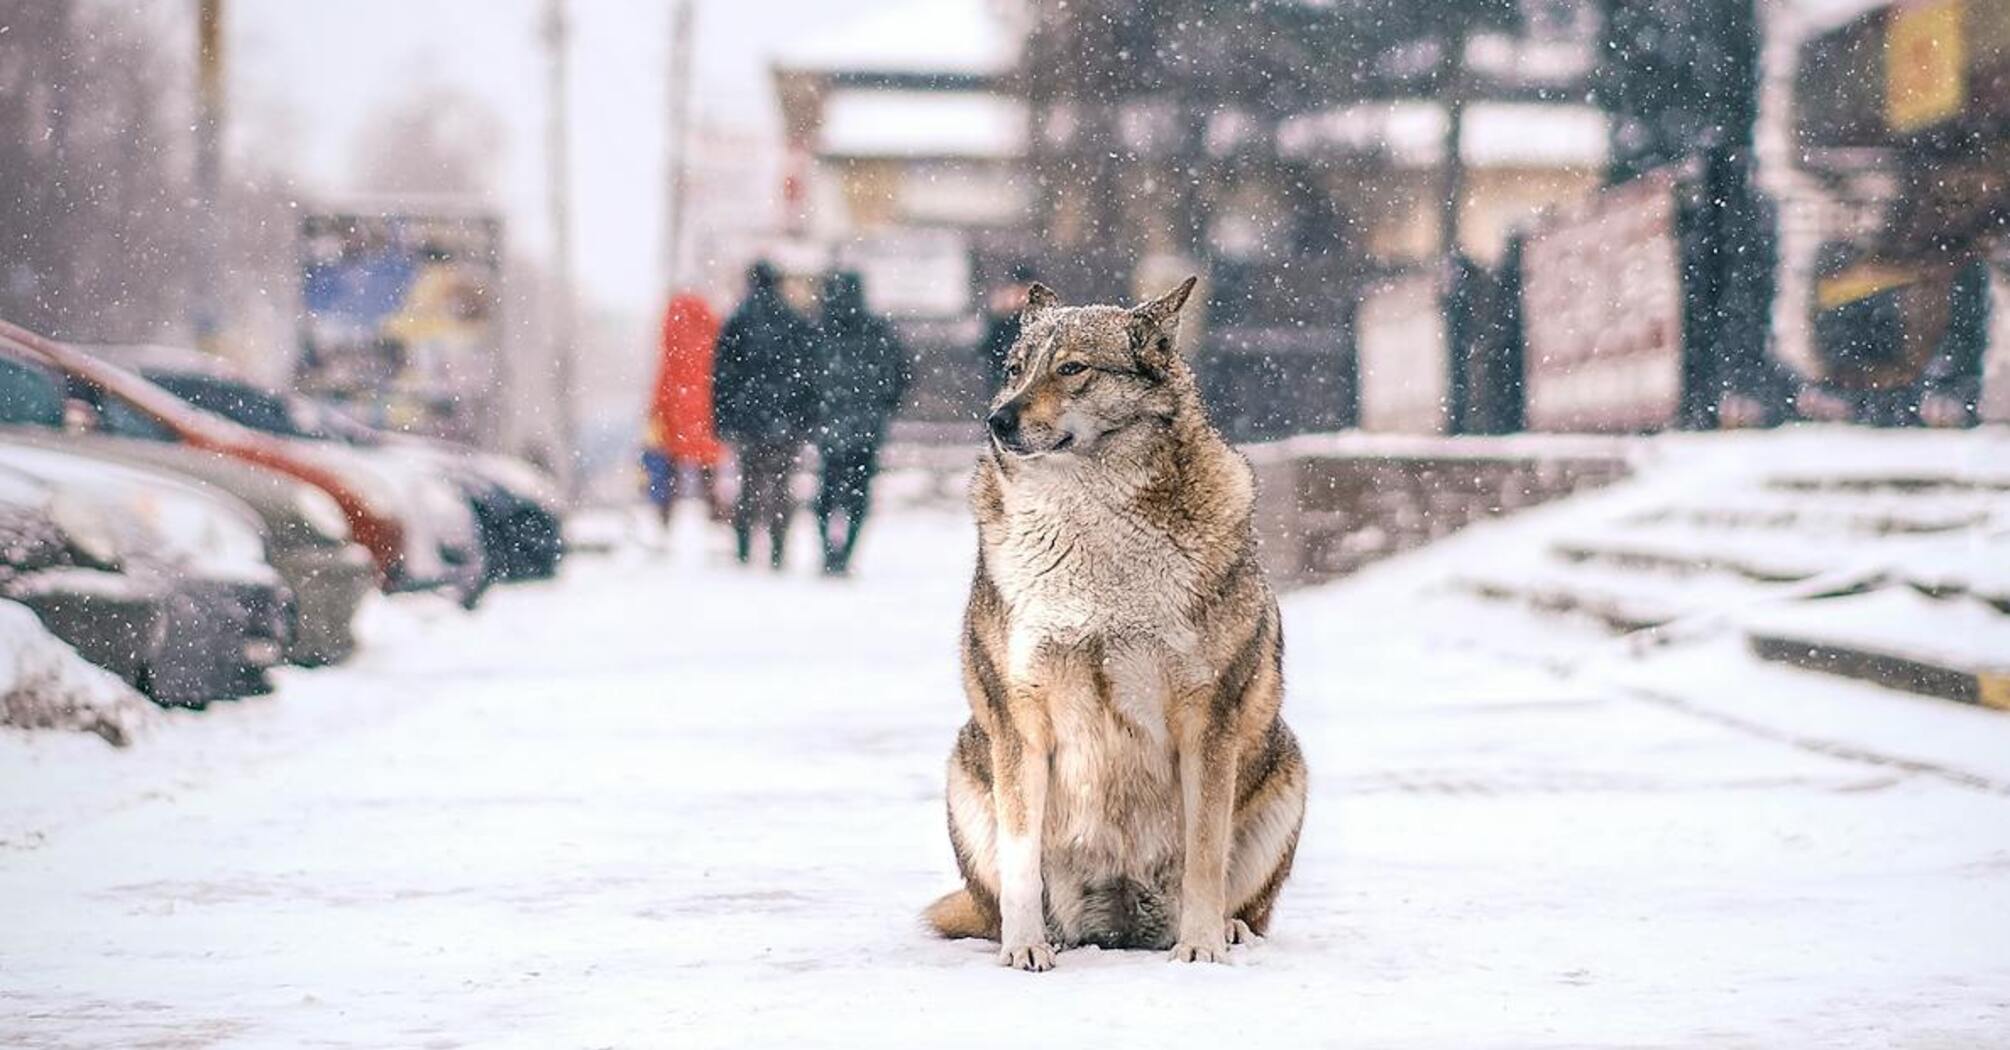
x,y
1328,504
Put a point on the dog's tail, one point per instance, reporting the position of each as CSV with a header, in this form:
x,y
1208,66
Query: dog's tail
x,y
958,915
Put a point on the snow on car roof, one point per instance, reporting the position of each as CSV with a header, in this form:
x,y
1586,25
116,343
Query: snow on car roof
x,y
868,122
969,37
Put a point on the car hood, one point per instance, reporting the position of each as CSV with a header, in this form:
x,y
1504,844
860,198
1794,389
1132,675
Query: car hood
x,y
154,514
282,502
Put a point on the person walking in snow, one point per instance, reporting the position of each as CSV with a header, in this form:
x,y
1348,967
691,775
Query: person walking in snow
x,y
679,444
764,401
865,377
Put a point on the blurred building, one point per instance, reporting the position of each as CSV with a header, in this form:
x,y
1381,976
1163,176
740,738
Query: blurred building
x,y
906,162
1296,155
1386,159
1897,261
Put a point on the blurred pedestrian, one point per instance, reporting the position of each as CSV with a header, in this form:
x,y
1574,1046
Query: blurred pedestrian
x,y
764,403
1001,323
865,376
679,446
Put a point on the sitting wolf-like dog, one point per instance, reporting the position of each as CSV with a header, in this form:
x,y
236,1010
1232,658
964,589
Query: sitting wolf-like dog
x,y
1125,779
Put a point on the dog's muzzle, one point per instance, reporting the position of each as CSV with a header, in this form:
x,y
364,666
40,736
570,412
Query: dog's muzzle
x,y
1007,434
1004,422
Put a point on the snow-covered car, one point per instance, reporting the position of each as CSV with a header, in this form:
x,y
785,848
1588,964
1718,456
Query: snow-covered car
x,y
518,509
307,536
227,613
417,528
50,548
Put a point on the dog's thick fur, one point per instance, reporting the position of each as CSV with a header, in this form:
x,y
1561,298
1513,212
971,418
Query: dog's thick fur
x,y
1124,779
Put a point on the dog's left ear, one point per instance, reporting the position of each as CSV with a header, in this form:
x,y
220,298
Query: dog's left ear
x,y
1154,325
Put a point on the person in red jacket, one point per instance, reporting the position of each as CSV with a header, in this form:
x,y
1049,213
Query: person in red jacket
x,y
679,442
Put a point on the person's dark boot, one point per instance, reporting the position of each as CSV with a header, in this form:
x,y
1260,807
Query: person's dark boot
x,y
853,525
743,543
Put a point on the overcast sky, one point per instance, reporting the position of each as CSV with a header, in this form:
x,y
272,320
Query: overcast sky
x,y
327,66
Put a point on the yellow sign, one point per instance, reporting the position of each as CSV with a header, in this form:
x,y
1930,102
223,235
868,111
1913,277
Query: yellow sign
x,y
1993,690
1925,72
1860,282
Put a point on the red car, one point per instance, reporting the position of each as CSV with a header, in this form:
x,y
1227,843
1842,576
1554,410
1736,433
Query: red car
x,y
408,553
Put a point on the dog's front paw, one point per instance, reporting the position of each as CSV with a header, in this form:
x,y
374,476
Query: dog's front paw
x,y
1200,950
1235,931
1032,958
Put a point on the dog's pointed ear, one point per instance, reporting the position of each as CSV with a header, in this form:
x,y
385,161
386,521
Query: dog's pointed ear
x,y
1155,325
1163,312
1039,298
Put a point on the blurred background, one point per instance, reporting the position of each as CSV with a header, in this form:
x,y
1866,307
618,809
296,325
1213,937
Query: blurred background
x,y
1460,217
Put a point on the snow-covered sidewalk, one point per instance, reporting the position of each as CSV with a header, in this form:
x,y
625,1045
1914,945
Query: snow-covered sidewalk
x,y
666,802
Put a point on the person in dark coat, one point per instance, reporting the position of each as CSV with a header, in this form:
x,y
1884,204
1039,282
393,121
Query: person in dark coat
x,y
865,376
1001,325
764,401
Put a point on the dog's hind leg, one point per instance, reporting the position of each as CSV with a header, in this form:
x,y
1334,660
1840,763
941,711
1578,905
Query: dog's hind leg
x,y
973,834
1269,810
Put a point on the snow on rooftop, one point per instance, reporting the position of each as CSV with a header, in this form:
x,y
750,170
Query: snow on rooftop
x,y
967,37
1819,16
1511,134
1497,134
870,122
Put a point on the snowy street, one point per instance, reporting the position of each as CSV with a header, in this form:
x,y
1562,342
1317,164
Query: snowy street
x,y
667,803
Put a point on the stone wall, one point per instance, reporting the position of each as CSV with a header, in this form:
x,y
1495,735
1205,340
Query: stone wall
x,y
1327,505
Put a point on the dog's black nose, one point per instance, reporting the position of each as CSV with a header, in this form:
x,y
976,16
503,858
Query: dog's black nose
x,y
1004,420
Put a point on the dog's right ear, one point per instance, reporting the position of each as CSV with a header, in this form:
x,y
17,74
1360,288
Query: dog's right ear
x,y
1039,298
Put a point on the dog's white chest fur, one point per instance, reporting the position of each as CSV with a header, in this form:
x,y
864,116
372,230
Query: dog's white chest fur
x,y
1072,569
1070,566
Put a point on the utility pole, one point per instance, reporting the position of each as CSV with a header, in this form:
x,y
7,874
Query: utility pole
x,y
1453,88
677,139
558,186
207,295
1454,298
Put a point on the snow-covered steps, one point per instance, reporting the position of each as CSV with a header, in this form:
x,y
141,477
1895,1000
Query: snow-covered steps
x,y
1882,557
1621,596
1763,559
1956,649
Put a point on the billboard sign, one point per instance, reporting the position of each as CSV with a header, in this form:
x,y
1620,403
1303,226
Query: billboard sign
x,y
1925,65
402,323
1602,303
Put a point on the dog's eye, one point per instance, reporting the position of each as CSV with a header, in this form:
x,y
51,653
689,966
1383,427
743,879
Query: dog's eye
x,y
1071,368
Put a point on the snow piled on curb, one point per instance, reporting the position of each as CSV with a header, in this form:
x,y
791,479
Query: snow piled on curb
x,y
44,684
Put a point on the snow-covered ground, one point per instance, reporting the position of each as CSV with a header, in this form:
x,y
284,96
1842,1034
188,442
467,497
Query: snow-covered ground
x,y
666,802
